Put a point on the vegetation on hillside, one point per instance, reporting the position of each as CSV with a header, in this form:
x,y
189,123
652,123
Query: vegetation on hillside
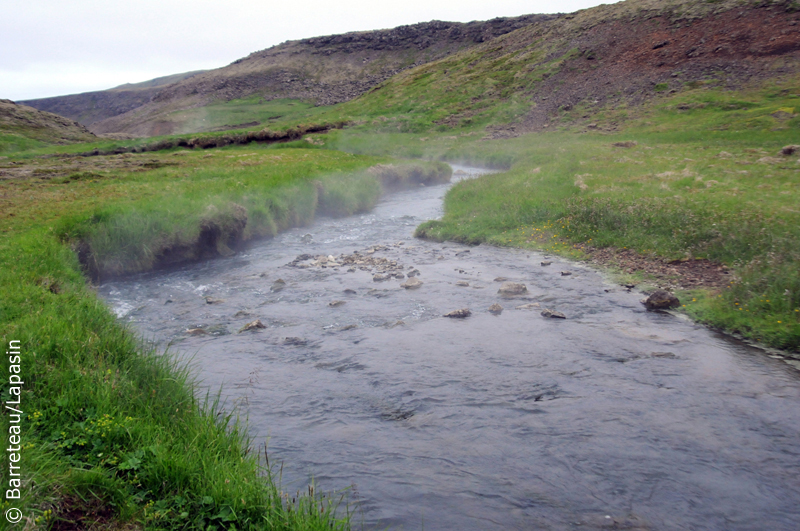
x,y
23,128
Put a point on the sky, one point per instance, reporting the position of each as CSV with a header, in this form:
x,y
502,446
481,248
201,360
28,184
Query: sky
x,y
53,47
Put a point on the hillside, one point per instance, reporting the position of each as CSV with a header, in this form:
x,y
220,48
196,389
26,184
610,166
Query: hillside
x,y
327,70
21,125
90,107
512,76
577,67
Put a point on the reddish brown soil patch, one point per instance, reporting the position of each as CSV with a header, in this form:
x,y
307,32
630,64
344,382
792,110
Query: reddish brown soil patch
x,y
671,275
635,61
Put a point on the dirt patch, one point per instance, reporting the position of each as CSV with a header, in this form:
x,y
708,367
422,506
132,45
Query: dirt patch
x,y
75,514
668,274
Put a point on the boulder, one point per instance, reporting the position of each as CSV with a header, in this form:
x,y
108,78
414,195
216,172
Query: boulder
x,y
255,325
278,285
552,314
411,283
335,304
510,289
496,309
461,313
661,300
528,306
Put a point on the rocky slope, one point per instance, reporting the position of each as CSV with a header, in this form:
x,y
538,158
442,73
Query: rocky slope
x,y
328,70
600,58
27,122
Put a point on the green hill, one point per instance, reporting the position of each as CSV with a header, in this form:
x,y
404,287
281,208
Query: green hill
x,y
23,127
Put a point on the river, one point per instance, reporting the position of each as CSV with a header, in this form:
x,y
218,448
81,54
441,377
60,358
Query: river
x,y
613,418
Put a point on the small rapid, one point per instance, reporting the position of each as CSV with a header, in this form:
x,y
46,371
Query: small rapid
x,y
613,418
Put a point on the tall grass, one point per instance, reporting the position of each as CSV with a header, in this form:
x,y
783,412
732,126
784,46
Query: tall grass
x,y
720,195
212,220
115,432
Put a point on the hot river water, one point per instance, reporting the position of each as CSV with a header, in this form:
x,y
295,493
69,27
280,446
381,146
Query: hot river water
x,y
614,418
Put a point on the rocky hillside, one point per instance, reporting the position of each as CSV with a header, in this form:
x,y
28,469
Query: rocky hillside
x,y
606,57
26,122
512,75
328,70
91,107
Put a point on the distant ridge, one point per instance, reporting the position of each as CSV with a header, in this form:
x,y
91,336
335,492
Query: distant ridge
x,y
159,81
328,69
510,75
90,107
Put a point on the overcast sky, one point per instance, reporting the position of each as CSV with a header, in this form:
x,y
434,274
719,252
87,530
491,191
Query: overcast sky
x,y
57,47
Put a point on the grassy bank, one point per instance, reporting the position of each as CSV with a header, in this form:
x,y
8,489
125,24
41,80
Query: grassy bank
x,y
114,435
696,173
724,197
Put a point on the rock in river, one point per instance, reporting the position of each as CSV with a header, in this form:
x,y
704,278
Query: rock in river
x,y
553,314
461,313
411,283
255,325
509,289
661,300
278,285
496,309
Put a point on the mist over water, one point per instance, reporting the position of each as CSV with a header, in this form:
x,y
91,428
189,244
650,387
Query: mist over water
x,y
614,418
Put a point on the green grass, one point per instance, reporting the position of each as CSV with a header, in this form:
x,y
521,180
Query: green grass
x,y
244,111
722,195
113,431
12,143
